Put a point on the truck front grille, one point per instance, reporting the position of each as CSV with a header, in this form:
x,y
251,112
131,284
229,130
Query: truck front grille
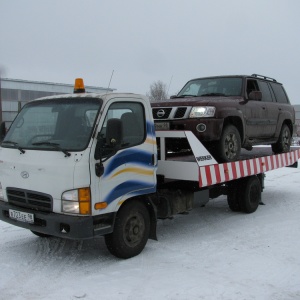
x,y
29,199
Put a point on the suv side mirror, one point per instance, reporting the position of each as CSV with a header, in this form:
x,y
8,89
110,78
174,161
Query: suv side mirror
x,y
255,95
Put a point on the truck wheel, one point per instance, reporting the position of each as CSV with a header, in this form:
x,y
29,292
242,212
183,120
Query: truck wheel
x,y
39,234
250,194
131,231
284,141
233,196
229,145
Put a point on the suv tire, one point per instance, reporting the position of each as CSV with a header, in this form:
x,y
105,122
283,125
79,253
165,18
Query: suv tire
x,y
229,146
284,141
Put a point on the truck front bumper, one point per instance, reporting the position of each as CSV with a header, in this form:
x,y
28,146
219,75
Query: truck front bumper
x,y
60,225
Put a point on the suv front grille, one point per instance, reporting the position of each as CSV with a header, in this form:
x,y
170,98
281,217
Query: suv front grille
x,y
170,113
161,113
180,112
29,199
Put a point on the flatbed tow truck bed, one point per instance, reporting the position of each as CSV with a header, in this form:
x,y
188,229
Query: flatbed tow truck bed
x,y
199,165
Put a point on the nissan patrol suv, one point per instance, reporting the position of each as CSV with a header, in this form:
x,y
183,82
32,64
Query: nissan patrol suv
x,y
228,113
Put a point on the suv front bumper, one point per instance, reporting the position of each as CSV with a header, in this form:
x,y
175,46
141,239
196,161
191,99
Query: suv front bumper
x,y
212,132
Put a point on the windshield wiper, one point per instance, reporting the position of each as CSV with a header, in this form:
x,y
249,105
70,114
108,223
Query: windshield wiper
x,y
55,146
183,96
213,94
14,144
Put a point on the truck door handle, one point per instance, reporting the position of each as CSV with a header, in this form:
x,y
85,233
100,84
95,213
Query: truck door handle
x,y
152,160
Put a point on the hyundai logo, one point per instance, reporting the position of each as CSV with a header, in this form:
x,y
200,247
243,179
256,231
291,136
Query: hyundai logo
x,y
161,113
24,174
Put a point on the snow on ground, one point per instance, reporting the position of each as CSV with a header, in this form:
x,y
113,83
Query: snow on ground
x,y
212,253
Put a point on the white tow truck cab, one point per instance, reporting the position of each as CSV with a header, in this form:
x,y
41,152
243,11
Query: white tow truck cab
x,y
82,165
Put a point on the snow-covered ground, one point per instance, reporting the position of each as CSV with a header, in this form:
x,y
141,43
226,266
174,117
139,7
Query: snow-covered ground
x,y
212,253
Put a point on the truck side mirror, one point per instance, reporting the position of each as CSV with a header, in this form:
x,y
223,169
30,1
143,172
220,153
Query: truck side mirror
x,y
114,132
2,131
255,95
108,144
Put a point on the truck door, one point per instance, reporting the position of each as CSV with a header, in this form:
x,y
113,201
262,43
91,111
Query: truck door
x,y
124,153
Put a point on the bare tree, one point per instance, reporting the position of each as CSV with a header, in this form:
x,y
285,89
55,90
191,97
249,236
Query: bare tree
x,y
158,91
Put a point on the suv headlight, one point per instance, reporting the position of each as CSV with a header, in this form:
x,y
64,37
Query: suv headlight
x,y
202,112
77,201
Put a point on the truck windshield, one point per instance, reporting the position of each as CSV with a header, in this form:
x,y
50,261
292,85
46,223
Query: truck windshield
x,y
218,86
62,124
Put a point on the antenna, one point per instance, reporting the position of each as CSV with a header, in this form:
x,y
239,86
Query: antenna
x,y
110,79
169,84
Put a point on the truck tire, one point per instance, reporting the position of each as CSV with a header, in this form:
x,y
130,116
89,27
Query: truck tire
x,y
131,230
233,196
284,141
250,194
229,146
39,234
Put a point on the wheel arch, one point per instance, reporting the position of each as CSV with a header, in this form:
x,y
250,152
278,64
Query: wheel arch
x,y
238,123
148,203
284,119
289,123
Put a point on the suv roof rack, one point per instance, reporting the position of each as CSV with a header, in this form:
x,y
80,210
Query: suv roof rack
x,y
264,77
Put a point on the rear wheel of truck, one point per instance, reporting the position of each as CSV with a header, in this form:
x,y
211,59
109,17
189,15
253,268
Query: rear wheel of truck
x,y
250,194
39,234
233,195
131,231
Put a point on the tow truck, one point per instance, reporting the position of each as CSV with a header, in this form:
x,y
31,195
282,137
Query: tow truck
x,y
83,165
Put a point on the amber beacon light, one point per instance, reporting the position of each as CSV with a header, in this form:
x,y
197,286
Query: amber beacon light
x,y
79,86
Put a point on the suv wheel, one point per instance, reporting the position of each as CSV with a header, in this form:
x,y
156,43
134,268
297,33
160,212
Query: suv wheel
x,y
229,145
284,141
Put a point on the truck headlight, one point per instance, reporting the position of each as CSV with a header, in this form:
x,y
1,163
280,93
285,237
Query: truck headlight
x,y
202,112
77,201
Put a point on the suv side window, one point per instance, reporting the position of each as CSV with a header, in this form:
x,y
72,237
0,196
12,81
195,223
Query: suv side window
x,y
279,93
265,90
251,86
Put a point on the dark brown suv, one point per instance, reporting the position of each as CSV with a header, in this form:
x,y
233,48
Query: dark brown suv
x,y
228,113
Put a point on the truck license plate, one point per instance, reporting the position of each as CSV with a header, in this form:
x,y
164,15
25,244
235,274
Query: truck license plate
x,y
162,126
21,216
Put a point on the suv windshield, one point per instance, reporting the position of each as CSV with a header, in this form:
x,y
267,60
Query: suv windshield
x,y
63,124
219,86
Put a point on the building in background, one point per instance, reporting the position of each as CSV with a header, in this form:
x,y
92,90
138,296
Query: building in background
x,y
15,93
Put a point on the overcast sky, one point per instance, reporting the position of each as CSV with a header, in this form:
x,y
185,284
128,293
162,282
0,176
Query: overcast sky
x,y
145,41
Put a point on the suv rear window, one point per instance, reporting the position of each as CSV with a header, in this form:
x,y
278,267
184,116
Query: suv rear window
x,y
279,93
266,93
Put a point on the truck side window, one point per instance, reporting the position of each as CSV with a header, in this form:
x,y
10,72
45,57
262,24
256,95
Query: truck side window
x,y
132,117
